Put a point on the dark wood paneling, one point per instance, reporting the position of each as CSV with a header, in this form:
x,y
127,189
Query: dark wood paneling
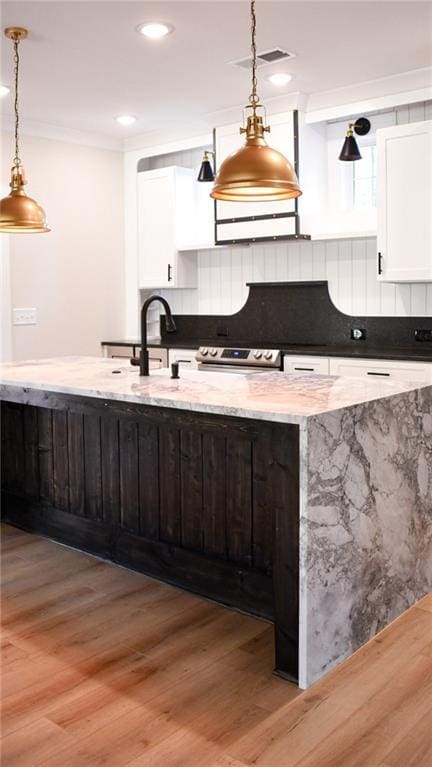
x,y
129,483
76,463
31,452
239,500
169,484
46,464
191,489
206,502
92,467
262,511
13,447
148,449
110,461
284,484
60,460
214,494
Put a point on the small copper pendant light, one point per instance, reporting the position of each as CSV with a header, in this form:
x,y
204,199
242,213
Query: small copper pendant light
x,y
256,172
19,213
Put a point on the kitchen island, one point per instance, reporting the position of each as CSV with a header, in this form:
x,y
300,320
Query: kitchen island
x,y
306,500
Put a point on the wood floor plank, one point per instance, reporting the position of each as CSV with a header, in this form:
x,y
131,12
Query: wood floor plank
x,y
104,666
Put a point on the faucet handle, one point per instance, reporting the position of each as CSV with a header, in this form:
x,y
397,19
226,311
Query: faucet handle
x,y
135,361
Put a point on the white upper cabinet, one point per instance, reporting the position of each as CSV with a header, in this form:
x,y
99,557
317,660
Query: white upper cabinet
x,y
405,203
165,206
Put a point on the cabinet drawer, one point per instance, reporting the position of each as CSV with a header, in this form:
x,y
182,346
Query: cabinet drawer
x,y
185,357
319,365
119,351
405,371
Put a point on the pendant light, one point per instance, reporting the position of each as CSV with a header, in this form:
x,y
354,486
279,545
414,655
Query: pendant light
x,y
19,213
256,172
350,151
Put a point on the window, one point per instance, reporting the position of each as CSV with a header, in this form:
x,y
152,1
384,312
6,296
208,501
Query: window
x,y
365,179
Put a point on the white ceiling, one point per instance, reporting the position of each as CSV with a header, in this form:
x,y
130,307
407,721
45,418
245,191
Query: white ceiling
x,y
84,63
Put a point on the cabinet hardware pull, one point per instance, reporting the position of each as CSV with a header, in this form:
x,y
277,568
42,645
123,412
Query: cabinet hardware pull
x,y
311,370
169,272
380,259
372,373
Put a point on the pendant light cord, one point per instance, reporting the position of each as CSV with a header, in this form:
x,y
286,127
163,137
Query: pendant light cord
x,y
254,98
16,161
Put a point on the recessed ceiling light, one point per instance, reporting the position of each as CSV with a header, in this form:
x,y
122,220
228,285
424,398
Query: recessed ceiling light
x,y
126,119
155,30
280,78
4,90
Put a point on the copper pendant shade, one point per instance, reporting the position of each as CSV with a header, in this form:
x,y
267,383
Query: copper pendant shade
x,y
18,212
256,172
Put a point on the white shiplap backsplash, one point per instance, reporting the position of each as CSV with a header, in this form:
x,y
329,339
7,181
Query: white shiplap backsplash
x,y
348,265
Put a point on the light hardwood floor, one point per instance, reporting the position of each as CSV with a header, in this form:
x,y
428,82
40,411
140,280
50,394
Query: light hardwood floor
x,y
102,666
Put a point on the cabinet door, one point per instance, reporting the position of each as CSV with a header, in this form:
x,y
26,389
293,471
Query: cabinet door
x,y
405,371
156,227
318,365
405,203
229,139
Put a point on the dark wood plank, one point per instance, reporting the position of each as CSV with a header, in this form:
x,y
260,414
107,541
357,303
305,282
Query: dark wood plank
x,y
129,483
110,458
31,443
239,500
214,494
92,467
13,447
46,465
148,450
60,460
76,463
262,527
284,488
191,489
169,483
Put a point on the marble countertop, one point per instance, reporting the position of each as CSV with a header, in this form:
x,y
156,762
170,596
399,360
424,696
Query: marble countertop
x,y
272,396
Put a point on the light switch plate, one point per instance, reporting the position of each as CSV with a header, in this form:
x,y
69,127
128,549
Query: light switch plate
x,y
24,316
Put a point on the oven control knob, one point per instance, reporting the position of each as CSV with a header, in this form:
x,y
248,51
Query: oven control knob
x,y
257,354
267,355
213,352
204,351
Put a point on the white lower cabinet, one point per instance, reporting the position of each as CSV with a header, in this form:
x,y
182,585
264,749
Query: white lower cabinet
x,y
310,364
185,358
420,372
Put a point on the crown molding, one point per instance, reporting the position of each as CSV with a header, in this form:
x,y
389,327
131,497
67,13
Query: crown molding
x,y
58,133
372,95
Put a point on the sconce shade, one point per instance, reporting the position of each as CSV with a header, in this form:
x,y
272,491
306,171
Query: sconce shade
x,y
206,171
350,150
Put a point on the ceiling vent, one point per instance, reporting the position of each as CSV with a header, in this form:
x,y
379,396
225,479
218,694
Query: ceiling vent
x,y
267,57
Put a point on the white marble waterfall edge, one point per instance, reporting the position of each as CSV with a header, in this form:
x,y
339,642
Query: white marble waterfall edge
x,y
366,524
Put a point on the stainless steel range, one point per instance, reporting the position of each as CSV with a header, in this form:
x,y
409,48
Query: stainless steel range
x,y
229,360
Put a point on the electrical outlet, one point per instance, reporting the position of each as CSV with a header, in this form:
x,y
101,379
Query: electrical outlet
x,y
423,335
358,334
24,316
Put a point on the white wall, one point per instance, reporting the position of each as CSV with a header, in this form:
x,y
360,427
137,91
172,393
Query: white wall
x,y
73,275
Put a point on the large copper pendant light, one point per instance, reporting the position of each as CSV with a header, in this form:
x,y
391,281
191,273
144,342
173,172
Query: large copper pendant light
x,y
19,213
256,172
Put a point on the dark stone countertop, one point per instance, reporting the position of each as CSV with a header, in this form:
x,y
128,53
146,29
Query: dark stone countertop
x,y
357,350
